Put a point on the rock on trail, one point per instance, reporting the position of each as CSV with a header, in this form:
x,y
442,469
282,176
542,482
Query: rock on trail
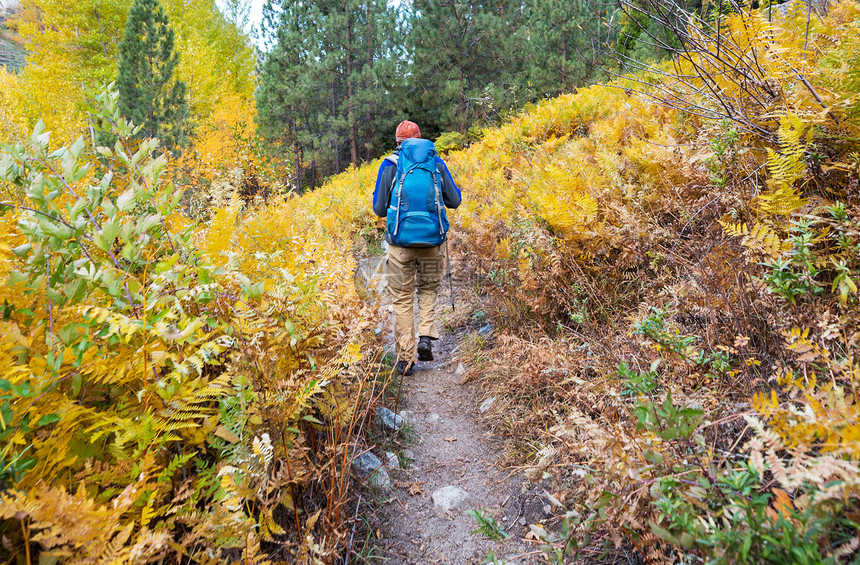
x,y
370,469
453,469
448,498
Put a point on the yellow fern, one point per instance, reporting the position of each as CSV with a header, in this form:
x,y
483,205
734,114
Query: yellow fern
x,y
761,239
786,167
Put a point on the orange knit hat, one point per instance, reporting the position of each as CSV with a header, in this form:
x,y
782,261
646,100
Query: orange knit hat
x,y
406,130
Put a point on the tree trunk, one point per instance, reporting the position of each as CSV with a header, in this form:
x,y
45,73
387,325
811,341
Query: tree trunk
x,y
297,150
102,30
563,61
462,118
313,173
336,135
371,45
350,112
299,174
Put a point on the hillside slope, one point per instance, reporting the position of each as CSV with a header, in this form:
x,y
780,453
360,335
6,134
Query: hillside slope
x,y
678,300
673,294
11,55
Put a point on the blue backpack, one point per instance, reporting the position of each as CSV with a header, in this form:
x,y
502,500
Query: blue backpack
x,y
416,214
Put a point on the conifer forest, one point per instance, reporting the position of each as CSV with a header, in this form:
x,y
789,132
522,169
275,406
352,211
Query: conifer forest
x,y
651,317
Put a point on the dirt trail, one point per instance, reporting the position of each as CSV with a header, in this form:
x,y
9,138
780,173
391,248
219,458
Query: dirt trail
x,y
451,453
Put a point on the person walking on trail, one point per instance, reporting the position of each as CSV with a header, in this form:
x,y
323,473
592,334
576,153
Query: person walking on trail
x,y
413,188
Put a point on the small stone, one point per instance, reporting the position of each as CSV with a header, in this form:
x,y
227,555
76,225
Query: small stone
x,y
486,330
522,521
460,369
391,460
433,417
368,466
485,405
388,419
448,498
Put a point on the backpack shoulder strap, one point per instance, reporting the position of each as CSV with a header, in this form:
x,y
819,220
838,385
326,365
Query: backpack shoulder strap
x,y
393,160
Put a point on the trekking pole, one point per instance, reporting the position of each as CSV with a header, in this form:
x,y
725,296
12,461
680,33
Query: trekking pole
x,y
450,280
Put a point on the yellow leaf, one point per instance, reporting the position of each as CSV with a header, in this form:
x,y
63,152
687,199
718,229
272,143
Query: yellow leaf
x,y
147,513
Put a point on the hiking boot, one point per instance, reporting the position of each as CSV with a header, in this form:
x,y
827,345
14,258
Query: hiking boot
x,y
403,368
425,349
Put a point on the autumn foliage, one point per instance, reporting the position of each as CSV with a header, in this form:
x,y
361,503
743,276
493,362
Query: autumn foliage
x,y
673,259
171,388
670,260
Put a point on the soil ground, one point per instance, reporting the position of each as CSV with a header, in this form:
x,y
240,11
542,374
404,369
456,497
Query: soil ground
x,y
448,445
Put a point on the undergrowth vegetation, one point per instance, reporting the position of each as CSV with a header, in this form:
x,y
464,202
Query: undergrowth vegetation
x,y
678,296
673,285
172,388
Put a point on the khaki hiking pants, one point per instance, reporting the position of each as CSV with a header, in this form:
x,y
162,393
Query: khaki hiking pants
x,y
410,269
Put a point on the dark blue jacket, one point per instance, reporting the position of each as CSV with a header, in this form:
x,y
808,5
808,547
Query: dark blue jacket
x,y
385,182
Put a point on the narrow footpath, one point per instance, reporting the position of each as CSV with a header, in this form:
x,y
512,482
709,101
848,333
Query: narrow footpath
x,y
452,466
454,469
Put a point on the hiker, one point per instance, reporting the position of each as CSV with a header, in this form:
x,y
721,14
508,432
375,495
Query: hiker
x,y
413,187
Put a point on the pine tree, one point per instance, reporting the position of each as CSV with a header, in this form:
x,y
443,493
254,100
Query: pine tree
x,y
359,54
560,47
148,94
380,81
289,96
327,83
466,64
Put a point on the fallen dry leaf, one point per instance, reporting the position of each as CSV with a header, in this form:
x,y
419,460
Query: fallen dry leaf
x,y
412,487
225,434
452,438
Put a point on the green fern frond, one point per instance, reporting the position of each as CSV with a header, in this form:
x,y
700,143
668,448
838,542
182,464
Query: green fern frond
x,y
175,464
